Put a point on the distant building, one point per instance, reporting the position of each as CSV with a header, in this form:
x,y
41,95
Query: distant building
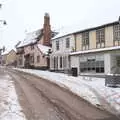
x,y
9,58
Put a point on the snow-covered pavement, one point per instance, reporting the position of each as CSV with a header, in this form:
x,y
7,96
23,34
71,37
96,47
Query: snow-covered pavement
x,y
90,88
9,106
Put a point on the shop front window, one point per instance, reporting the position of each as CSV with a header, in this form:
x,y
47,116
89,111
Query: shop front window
x,y
118,61
92,64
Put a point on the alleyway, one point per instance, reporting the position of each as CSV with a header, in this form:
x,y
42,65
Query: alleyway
x,y
42,100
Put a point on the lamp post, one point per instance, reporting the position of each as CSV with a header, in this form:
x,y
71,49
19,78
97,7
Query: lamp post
x,y
3,22
2,49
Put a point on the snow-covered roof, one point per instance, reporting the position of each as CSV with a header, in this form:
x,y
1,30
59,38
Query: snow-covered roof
x,y
7,51
43,49
80,28
66,30
96,50
31,38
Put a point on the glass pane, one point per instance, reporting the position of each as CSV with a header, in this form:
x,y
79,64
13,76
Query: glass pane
x,y
97,69
102,69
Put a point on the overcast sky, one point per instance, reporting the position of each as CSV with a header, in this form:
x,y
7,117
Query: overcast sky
x,y
27,15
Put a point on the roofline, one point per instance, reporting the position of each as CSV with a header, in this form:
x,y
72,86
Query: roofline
x,y
28,45
40,50
35,38
63,36
92,28
9,52
4,54
98,27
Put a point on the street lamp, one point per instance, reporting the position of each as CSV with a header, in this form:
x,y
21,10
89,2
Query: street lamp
x,y
3,22
119,20
2,49
0,5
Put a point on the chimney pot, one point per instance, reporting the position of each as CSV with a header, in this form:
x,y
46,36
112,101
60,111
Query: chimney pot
x,y
46,30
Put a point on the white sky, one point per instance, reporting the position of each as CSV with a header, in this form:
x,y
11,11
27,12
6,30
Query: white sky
x,y
27,15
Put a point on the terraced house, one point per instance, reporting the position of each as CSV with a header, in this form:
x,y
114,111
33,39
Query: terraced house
x,y
91,51
97,49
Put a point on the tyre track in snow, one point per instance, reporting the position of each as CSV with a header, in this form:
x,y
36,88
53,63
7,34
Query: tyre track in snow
x,y
68,104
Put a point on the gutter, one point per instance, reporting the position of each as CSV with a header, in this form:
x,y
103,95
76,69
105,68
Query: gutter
x,y
95,50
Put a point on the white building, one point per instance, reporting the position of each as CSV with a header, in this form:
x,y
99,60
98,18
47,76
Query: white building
x,y
62,44
97,50
91,51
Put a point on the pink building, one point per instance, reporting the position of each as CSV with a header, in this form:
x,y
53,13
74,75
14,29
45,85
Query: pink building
x,y
33,51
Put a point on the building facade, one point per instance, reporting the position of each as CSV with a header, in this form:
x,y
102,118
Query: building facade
x,y
9,58
31,52
61,47
92,51
97,50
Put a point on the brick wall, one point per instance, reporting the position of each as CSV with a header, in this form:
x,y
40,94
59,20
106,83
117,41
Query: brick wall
x,y
46,30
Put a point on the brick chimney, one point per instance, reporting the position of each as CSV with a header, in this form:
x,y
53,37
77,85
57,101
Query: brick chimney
x,y
46,30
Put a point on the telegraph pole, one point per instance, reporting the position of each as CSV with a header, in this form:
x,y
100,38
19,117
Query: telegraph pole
x,y
2,49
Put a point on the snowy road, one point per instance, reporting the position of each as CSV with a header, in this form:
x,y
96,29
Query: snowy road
x,y
10,108
42,100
